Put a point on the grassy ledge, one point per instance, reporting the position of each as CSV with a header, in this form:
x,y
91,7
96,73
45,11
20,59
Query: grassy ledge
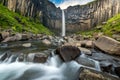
x,y
18,23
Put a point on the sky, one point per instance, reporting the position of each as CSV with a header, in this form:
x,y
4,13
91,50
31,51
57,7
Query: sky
x,y
63,4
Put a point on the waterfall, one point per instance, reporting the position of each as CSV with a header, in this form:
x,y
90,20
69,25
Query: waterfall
x,y
63,23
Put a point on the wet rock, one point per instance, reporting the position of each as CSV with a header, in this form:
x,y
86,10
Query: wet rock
x,y
4,56
88,74
37,57
40,58
21,58
117,71
85,51
108,45
27,45
47,42
77,44
68,53
106,66
85,62
86,43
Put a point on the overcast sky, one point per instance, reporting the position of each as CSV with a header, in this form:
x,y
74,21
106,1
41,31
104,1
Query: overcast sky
x,y
63,4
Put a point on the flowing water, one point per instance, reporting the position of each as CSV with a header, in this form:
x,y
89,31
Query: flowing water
x,y
53,69
63,23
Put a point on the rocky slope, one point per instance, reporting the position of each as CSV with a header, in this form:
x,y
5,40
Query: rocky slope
x,y
77,17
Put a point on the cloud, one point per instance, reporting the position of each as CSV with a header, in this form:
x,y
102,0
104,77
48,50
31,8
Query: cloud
x,y
68,3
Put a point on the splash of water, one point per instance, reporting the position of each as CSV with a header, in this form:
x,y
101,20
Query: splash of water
x,y
63,23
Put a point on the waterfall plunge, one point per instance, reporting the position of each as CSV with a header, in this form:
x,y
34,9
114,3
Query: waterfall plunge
x,y
63,23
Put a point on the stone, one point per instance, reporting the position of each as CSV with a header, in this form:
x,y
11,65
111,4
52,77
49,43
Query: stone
x,y
40,58
18,36
86,62
25,37
21,57
116,37
8,39
77,44
106,66
108,45
47,42
37,57
5,34
117,71
86,43
88,74
68,53
85,51
27,45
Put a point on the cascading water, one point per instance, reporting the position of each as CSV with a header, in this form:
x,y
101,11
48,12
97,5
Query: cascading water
x,y
63,23
53,69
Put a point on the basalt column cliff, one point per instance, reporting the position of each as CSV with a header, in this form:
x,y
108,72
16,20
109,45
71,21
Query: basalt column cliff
x,y
43,10
78,17
90,15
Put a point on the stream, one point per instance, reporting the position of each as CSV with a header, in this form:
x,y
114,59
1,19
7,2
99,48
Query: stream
x,y
53,69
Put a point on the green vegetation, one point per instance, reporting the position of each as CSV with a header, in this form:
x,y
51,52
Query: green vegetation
x,y
111,27
18,23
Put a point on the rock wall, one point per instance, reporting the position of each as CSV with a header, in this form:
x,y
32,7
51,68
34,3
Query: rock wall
x,y
78,17
87,16
44,10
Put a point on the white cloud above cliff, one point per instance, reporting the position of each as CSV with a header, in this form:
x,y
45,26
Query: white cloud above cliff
x,y
67,3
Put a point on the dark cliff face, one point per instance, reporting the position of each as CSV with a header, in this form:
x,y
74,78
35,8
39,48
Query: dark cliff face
x,y
87,16
77,17
44,10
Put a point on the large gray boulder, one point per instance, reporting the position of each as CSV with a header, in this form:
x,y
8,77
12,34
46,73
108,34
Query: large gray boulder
x,y
68,53
108,45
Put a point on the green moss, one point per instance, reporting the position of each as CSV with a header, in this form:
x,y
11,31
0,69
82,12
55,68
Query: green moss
x,y
18,23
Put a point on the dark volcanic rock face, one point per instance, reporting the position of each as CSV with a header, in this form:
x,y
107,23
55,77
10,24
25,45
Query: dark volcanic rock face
x,y
77,17
44,10
89,15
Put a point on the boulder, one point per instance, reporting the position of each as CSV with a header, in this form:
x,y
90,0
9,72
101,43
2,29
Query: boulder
x,y
108,45
88,74
86,43
37,57
68,53
117,71
85,51
8,39
18,36
40,58
85,62
5,34
47,42
77,44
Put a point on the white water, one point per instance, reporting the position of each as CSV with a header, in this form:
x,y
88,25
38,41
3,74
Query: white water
x,y
63,23
53,69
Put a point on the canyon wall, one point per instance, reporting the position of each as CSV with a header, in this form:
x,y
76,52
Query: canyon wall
x,y
85,17
43,10
80,17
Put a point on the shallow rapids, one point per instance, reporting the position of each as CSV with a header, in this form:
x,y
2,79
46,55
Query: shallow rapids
x,y
53,69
